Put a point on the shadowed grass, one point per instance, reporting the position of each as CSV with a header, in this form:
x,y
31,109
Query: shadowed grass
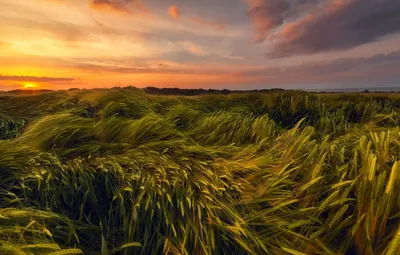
x,y
123,172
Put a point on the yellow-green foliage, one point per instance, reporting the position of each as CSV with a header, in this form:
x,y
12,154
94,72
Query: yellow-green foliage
x,y
123,172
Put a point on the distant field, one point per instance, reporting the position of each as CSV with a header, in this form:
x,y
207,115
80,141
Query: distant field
x,y
120,171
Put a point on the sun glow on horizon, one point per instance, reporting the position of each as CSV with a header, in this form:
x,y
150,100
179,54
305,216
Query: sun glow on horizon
x,y
29,85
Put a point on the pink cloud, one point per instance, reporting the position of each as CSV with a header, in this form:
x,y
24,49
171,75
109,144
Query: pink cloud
x,y
266,15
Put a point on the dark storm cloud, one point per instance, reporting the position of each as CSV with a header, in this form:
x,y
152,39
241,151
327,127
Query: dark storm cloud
x,y
312,26
341,24
269,14
34,78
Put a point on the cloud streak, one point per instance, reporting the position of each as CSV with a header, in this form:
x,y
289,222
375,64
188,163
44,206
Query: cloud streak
x,y
110,5
210,23
175,13
380,67
34,78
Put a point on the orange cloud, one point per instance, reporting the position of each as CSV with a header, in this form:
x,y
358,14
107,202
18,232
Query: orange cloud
x,y
174,12
109,5
213,24
118,6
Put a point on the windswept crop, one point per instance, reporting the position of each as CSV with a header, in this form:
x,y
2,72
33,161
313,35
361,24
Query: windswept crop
x,y
123,172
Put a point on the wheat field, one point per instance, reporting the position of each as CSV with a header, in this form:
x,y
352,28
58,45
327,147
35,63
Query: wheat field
x,y
119,171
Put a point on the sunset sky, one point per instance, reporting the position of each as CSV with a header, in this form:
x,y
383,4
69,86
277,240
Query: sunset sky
x,y
234,44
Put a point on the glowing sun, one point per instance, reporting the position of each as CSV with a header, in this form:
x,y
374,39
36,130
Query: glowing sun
x,y
29,86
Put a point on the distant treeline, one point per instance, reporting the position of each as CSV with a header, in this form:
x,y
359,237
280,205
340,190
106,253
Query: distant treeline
x,y
166,91
195,92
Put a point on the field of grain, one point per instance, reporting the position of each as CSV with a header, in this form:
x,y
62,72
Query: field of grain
x,y
120,171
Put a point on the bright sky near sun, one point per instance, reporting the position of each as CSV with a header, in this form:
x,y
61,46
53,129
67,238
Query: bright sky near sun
x,y
234,44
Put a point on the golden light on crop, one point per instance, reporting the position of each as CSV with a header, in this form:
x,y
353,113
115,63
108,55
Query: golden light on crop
x,y
29,86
